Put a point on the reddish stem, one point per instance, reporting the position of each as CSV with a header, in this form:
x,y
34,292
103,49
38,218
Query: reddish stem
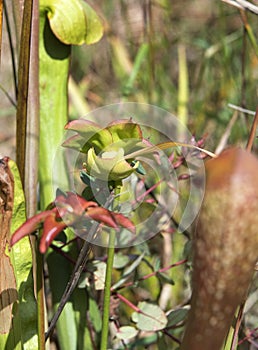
x,y
252,132
164,269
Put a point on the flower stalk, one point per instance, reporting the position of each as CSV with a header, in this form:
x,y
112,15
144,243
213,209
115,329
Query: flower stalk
x,y
107,291
108,278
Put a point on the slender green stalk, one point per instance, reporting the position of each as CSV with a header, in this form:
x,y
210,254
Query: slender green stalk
x,y
40,302
250,32
141,55
108,278
108,281
183,90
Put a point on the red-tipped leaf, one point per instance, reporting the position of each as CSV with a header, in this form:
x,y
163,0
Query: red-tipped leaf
x,y
30,226
123,221
51,229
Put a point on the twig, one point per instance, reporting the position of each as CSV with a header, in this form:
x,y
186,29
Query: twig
x,y
233,3
11,100
243,5
171,336
240,109
143,278
226,134
237,327
15,80
79,267
252,132
248,6
250,334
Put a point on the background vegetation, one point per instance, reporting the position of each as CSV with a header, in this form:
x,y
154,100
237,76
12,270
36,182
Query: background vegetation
x,y
222,64
189,57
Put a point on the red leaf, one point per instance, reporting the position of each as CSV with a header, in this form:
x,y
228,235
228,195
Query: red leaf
x,y
51,229
81,125
78,203
124,222
102,215
29,226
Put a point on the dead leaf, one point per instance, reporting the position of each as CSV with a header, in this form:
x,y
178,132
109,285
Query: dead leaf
x,y
8,290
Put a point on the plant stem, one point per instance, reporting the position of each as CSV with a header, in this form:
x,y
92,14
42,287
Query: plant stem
x,y
183,91
108,280
41,301
78,268
10,39
252,132
23,88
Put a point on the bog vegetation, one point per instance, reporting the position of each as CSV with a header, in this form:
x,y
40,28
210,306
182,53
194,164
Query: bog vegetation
x,y
62,60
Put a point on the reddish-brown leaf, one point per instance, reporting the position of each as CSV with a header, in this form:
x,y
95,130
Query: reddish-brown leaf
x,y
123,221
30,226
51,229
102,215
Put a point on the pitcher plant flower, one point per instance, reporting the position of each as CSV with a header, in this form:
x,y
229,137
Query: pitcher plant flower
x,y
111,152
66,211
108,149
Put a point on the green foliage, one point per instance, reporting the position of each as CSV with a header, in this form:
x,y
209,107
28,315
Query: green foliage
x,y
61,24
163,56
23,333
73,22
126,332
150,317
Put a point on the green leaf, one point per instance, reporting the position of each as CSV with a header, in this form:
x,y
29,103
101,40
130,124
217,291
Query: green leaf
x,y
229,340
120,261
80,304
143,212
94,25
128,271
152,317
143,343
126,332
124,129
176,316
165,278
59,271
90,135
23,334
54,57
73,21
95,315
